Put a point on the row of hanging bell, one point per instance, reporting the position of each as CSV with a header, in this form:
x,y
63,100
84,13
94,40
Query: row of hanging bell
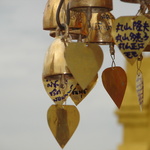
x,y
93,23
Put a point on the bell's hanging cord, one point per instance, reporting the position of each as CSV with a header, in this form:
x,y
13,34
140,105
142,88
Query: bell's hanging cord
x,y
143,8
62,26
139,63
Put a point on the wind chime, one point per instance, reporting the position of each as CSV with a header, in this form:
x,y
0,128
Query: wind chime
x,y
74,58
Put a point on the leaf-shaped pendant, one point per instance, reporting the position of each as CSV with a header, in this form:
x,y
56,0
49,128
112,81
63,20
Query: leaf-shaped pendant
x,y
63,121
115,80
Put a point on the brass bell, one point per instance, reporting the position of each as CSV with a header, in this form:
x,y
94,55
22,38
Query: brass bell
x,y
49,18
57,79
55,63
76,30
100,30
96,5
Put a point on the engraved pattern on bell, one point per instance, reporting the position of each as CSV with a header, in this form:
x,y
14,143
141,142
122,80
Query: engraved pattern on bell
x,y
100,31
49,18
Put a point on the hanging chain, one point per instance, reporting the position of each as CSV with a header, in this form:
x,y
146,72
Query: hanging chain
x,y
139,62
112,54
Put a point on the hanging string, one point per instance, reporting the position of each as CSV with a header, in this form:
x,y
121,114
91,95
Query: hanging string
x,y
139,63
62,26
143,8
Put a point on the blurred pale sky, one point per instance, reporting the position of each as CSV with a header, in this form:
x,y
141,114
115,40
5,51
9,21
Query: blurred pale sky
x,y
23,100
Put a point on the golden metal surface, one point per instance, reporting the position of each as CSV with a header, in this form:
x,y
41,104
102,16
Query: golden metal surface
x,y
100,31
63,121
57,79
96,5
83,61
131,34
75,34
49,17
115,80
59,87
54,62
147,49
78,94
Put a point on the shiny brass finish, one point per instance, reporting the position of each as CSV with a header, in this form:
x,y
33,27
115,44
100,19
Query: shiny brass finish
x,y
63,121
49,18
75,34
55,62
84,61
96,5
78,94
57,79
100,31
76,27
59,87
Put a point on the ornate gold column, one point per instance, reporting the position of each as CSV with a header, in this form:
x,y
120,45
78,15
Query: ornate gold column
x,y
136,123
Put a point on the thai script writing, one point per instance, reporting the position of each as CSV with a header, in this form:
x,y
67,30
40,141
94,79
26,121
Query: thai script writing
x,y
60,98
79,92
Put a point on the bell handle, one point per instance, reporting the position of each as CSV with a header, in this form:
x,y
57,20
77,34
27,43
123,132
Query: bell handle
x,y
62,26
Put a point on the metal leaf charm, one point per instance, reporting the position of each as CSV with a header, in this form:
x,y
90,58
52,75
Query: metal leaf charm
x,y
78,94
84,61
59,87
63,121
115,80
140,89
131,34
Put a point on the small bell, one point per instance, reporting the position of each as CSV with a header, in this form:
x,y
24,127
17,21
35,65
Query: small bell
x,y
76,30
49,18
95,5
57,79
100,30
